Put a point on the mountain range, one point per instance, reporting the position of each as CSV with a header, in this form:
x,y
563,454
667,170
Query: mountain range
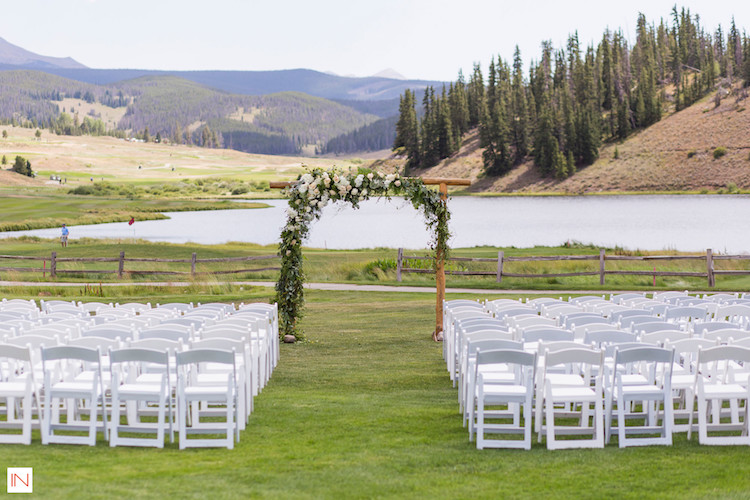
x,y
283,111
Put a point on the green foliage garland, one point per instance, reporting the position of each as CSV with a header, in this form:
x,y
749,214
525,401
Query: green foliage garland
x,y
317,188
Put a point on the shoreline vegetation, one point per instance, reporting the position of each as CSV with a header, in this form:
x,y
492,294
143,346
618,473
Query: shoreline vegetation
x,y
39,210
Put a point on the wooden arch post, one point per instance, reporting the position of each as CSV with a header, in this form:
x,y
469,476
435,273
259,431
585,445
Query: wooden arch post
x,y
443,184
437,335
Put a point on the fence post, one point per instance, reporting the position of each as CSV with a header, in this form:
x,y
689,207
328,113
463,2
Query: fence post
x,y
53,265
500,256
710,268
601,266
121,265
399,264
192,265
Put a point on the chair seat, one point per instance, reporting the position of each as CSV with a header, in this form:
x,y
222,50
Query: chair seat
x,y
206,392
498,377
73,387
565,379
572,394
726,391
683,381
140,389
505,390
13,389
641,391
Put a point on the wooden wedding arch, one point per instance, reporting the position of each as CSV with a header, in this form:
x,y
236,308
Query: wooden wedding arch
x,y
309,185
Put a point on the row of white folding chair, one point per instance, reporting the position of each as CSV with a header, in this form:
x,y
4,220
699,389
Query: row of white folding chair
x,y
197,390
464,326
452,313
257,342
264,331
272,311
572,387
178,307
63,370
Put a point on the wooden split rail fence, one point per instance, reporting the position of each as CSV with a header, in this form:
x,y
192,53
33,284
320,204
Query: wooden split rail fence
x,y
54,260
500,273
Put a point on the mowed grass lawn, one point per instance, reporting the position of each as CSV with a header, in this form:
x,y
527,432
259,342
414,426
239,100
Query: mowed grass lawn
x,y
365,409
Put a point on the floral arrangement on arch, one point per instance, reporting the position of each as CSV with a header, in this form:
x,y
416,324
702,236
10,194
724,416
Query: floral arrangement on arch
x,y
318,187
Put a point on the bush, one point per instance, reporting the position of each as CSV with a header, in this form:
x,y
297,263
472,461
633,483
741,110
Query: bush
x,y
691,153
240,190
719,152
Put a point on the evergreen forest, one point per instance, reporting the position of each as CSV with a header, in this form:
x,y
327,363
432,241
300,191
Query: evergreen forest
x,y
575,97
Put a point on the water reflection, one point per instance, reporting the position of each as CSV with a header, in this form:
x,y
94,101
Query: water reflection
x,y
653,222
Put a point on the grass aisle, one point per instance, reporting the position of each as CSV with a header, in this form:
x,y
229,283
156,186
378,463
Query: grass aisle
x,y
365,409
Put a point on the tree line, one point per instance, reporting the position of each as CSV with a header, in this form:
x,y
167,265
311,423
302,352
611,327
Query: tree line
x,y
573,97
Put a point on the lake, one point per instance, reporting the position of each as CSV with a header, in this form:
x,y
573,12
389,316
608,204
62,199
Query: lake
x,y
647,222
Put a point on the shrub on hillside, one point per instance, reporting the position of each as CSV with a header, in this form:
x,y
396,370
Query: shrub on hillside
x,y
719,152
691,153
22,166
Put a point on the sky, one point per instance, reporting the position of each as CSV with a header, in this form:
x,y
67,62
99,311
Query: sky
x,y
420,39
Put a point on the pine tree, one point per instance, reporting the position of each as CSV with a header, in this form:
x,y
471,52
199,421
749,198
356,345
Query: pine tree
x,y
445,142
407,135
519,115
546,148
475,96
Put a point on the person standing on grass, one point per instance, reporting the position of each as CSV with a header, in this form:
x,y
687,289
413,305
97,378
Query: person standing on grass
x,y
64,237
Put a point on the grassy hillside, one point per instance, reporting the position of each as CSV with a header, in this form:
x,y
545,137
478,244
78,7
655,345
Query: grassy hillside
x,y
674,154
178,110
79,159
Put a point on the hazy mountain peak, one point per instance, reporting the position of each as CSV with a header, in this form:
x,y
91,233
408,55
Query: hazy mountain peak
x,y
390,73
17,56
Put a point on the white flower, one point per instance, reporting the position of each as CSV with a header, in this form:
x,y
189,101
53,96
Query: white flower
x,y
332,192
358,180
335,177
370,176
355,191
307,178
297,201
291,212
364,192
348,187
294,242
397,183
303,188
307,209
327,181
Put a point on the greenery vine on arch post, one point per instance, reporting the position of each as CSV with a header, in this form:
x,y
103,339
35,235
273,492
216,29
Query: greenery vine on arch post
x,y
318,187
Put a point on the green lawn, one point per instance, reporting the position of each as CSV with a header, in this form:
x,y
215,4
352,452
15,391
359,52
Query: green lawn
x,y
365,409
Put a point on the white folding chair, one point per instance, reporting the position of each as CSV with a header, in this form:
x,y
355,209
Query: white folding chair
x,y
18,388
189,391
491,395
684,371
714,384
127,365
214,372
61,366
654,393
588,393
